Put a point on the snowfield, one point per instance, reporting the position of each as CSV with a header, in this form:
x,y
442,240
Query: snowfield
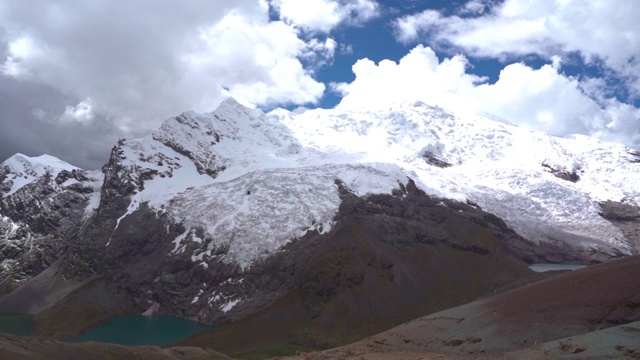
x,y
254,181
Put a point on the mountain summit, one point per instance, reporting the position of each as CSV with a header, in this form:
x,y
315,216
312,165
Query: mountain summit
x,y
214,216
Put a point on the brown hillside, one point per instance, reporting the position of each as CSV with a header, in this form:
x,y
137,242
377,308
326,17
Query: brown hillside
x,y
390,259
566,311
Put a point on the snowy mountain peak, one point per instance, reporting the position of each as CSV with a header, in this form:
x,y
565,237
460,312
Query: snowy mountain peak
x,y
547,188
20,170
237,169
20,162
230,107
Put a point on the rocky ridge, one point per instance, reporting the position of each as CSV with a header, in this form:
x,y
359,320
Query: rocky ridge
x,y
43,203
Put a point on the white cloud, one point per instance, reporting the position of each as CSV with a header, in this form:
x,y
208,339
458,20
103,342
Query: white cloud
x,y
539,99
596,29
152,59
256,62
320,53
476,7
319,15
81,113
411,28
21,51
418,76
325,15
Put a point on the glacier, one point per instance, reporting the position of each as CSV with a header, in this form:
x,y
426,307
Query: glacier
x,y
255,181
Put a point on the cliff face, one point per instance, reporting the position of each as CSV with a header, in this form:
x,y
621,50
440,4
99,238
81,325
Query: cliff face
x,y
39,216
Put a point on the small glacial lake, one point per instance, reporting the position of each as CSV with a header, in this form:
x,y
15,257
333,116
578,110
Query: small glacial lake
x,y
542,267
16,324
142,330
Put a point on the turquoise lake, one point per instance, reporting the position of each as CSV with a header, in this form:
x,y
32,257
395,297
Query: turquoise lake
x,y
142,330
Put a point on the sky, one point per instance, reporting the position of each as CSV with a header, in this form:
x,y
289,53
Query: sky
x,y
77,76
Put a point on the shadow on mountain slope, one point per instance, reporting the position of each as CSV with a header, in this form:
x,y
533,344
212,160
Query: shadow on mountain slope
x,y
389,259
562,316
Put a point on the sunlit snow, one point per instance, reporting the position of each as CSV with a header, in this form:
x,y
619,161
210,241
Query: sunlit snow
x,y
25,169
253,181
276,172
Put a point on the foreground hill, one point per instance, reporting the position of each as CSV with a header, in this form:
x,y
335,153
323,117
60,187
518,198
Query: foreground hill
x,y
24,348
592,313
562,316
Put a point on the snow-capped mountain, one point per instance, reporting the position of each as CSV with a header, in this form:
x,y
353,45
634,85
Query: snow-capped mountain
x,y
215,212
547,188
273,173
42,201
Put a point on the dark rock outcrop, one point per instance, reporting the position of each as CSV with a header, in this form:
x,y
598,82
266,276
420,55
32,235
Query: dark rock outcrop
x,y
435,160
619,212
634,156
626,217
562,173
388,259
37,223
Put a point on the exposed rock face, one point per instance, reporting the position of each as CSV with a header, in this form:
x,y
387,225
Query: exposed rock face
x,y
38,219
619,212
562,173
634,156
389,258
435,160
626,217
199,152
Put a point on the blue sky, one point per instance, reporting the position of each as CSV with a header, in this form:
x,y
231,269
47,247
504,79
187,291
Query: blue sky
x,y
75,78
377,42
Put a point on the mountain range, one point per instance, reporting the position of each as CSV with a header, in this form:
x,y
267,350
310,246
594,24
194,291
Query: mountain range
x,y
334,224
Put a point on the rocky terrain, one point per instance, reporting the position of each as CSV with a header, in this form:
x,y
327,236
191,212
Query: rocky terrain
x,y
334,225
385,262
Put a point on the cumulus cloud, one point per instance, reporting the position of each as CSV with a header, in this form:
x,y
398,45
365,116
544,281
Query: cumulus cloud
x,y
152,59
416,77
129,67
476,7
256,62
325,15
540,99
82,113
598,30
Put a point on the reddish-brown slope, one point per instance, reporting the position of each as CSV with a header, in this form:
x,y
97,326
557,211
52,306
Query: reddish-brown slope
x,y
563,306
